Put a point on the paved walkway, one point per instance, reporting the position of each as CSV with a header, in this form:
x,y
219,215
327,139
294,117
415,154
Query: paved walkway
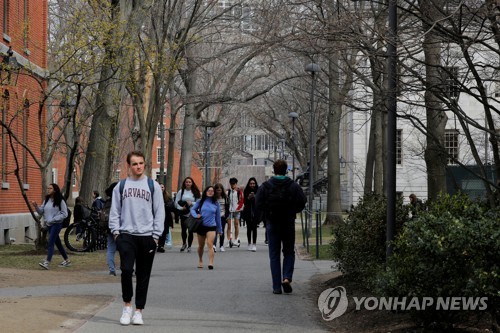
x,y
234,297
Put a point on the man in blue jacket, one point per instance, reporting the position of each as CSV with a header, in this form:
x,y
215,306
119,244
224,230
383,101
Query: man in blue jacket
x,y
278,201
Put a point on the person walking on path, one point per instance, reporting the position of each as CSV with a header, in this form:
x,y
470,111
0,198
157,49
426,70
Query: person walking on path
x,y
278,200
220,196
185,198
416,205
97,204
54,211
136,221
235,199
80,212
169,221
209,210
249,213
170,209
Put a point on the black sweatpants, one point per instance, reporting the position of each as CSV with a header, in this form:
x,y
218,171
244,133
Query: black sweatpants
x,y
185,233
252,231
138,250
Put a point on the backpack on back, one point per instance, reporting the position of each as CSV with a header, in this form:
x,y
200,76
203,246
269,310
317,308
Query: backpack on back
x,y
65,222
279,198
104,215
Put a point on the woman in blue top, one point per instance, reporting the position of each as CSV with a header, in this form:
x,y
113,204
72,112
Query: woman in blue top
x,y
209,210
54,211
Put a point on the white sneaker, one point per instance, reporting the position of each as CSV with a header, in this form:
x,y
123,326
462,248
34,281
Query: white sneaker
x,y
238,243
65,263
126,315
222,249
137,318
189,249
250,247
44,264
254,248
169,245
215,248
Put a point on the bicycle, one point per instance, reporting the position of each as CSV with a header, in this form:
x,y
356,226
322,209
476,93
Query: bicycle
x,y
85,235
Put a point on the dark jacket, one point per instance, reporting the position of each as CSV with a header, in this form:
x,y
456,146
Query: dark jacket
x,y
249,211
169,209
297,199
79,213
416,207
97,205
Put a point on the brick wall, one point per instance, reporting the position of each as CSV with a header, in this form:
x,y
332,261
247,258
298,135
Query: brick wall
x,y
30,47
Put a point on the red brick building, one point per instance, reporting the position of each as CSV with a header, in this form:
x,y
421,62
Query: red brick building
x,y
23,59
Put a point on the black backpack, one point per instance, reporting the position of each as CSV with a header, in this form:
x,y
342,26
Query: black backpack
x,y
65,222
279,200
104,214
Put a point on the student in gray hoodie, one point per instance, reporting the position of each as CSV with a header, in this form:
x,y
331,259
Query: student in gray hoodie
x,y
54,211
136,221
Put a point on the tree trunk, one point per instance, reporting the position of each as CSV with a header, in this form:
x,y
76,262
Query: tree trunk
x,y
171,143
374,178
73,136
97,168
97,171
334,209
435,155
378,173
370,158
187,143
189,127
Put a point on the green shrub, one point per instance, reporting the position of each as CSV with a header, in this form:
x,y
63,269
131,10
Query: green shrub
x,y
451,250
359,245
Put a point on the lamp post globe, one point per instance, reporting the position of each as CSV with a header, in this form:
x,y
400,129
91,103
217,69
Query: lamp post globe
x,y
312,68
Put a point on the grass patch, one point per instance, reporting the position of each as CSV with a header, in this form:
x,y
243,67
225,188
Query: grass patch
x,y
325,237
25,256
20,256
324,252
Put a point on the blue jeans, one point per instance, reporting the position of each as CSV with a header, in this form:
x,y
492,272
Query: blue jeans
x,y
278,235
169,236
54,238
110,255
223,223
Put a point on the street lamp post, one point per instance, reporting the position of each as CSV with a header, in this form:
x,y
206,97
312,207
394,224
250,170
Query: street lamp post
x,y
282,148
313,69
390,175
163,174
293,115
209,125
